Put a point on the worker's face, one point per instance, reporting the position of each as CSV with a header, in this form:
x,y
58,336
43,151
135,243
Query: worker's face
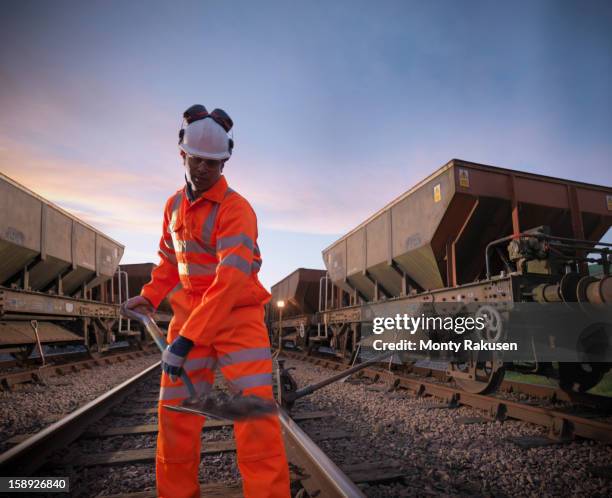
x,y
203,173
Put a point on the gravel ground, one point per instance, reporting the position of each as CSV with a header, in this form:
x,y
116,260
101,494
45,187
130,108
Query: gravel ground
x,y
440,455
138,441
31,407
119,479
104,480
126,421
39,405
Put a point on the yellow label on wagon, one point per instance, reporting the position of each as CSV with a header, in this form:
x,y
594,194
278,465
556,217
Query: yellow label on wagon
x,y
437,193
464,178
609,200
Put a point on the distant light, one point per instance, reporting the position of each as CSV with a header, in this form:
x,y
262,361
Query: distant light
x,y
280,304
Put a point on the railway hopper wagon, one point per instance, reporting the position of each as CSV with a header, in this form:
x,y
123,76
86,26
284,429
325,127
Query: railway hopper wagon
x,y
295,301
56,275
473,238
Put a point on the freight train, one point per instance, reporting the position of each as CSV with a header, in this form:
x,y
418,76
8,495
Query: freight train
x,y
59,283
469,238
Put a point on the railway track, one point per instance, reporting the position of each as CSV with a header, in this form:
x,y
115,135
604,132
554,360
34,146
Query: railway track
x,y
66,364
436,447
107,447
541,405
32,451
115,434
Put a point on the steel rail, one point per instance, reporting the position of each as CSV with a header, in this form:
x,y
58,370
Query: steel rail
x,y
28,456
561,425
324,478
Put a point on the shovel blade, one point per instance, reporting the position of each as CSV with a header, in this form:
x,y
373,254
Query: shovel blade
x,y
193,411
235,409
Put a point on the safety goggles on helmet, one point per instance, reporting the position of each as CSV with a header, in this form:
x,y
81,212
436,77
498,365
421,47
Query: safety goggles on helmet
x,y
198,111
202,162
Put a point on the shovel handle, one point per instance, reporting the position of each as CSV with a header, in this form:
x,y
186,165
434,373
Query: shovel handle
x,y
159,339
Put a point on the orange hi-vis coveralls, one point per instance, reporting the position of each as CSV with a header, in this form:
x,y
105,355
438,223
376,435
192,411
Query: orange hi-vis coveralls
x,y
208,267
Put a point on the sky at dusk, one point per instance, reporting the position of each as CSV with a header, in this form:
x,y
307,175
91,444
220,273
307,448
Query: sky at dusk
x,y
338,106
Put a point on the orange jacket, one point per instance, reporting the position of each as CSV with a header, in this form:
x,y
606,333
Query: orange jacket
x,y
209,247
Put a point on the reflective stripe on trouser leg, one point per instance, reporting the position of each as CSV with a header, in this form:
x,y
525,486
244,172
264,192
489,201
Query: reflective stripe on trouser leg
x,y
250,354
247,368
243,351
248,381
178,440
261,454
181,392
201,372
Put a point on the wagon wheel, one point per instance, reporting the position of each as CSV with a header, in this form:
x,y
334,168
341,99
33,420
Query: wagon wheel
x,y
593,346
580,377
483,372
486,375
23,354
135,341
302,336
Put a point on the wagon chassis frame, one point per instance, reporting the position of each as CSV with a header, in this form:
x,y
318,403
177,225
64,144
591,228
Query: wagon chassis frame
x,y
15,303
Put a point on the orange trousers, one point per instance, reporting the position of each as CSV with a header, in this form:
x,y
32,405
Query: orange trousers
x,y
242,351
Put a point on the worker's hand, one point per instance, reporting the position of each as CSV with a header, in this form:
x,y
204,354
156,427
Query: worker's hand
x,y
140,304
174,356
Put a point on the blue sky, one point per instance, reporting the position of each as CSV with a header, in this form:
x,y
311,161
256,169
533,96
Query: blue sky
x,y
338,106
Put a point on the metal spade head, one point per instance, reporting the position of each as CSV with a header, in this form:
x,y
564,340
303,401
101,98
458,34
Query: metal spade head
x,y
222,407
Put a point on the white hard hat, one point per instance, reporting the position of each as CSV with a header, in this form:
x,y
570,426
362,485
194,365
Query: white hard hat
x,y
206,138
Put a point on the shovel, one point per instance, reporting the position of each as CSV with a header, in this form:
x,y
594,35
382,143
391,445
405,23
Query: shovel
x,y
219,406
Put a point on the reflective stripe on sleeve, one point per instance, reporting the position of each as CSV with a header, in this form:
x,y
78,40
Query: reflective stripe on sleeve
x,y
236,261
256,250
256,266
181,392
233,241
252,354
196,269
256,380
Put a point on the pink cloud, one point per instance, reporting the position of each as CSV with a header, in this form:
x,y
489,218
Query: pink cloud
x,y
112,200
309,202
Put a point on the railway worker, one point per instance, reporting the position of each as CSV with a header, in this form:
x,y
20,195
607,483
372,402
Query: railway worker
x,y
208,250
